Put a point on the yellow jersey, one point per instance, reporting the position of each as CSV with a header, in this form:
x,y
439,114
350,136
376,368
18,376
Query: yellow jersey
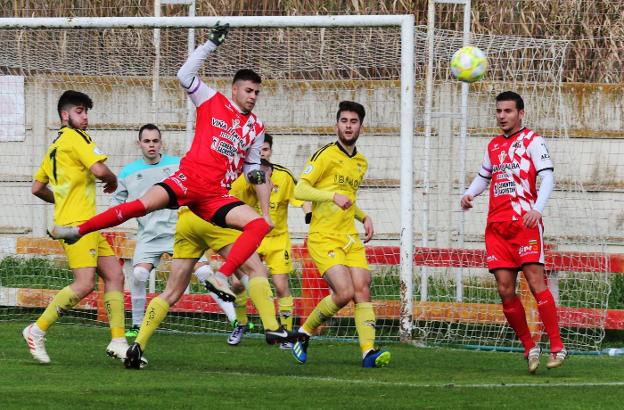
x,y
65,167
282,194
332,169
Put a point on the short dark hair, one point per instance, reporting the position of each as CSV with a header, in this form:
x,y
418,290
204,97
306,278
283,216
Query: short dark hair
x,y
71,98
268,138
351,106
149,127
511,96
246,74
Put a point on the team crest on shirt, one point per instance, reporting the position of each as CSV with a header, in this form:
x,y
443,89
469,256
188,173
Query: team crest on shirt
x,y
276,188
501,156
235,123
139,176
331,254
92,252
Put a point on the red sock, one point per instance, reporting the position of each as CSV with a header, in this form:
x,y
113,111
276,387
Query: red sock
x,y
548,313
514,312
113,216
245,245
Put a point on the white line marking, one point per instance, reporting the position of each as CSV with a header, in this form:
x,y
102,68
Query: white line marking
x,y
426,385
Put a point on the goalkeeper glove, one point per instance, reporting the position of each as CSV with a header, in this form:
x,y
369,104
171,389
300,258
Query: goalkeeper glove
x,y
218,34
256,177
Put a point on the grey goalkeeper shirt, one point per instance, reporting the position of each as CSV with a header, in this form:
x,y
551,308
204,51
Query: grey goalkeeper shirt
x,y
134,180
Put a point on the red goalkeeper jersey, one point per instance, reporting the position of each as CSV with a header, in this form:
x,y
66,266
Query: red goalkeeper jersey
x,y
513,162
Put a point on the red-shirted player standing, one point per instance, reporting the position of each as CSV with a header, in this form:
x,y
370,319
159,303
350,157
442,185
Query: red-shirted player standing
x,y
228,139
514,231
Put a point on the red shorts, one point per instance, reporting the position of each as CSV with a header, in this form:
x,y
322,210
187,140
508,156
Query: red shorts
x,y
209,203
510,245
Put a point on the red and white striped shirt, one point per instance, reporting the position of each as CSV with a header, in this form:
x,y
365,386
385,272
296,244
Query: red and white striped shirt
x,y
223,140
512,163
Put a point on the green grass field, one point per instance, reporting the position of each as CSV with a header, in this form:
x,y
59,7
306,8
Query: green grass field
x,y
197,371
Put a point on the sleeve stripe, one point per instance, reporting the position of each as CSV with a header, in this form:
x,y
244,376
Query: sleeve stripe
x,y
544,169
84,135
286,170
319,151
484,176
196,87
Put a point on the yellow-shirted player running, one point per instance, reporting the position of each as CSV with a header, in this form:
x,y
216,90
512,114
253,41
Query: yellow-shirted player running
x,y
66,178
193,237
330,180
275,249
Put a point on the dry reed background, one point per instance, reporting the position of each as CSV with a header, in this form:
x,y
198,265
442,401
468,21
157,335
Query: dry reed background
x,y
595,26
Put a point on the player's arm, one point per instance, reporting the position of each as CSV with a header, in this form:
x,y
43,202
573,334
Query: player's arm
x,y
104,174
305,189
40,187
545,170
257,176
479,183
367,221
121,193
42,191
188,75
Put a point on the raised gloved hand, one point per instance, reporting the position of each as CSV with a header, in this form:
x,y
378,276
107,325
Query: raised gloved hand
x,y
218,34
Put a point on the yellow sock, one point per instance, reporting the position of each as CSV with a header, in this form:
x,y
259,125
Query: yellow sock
x,y
365,325
240,308
285,311
114,304
154,315
62,302
325,309
262,298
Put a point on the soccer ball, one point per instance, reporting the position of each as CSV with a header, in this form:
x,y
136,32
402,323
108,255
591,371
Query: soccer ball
x,y
469,64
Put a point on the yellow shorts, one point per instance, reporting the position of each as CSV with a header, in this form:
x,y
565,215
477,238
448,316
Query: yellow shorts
x,y
277,253
194,236
85,252
329,250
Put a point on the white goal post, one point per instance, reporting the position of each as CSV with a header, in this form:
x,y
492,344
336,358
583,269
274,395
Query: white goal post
x,y
404,22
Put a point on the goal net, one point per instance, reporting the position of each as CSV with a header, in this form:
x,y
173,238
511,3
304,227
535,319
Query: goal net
x,y
306,72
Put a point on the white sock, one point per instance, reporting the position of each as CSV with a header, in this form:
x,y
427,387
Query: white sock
x,y
138,296
36,330
301,330
203,272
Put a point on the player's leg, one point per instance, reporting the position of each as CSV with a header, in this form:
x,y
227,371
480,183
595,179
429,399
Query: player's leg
x,y
515,314
261,295
202,272
547,308
241,324
110,271
82,261
239,216
339,280
64,300
157,197
179,279
276,251
138,292
364,316
529,243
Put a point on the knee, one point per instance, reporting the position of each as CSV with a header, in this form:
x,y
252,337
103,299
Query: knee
x,y
140,274
506,291
362,294
344,296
